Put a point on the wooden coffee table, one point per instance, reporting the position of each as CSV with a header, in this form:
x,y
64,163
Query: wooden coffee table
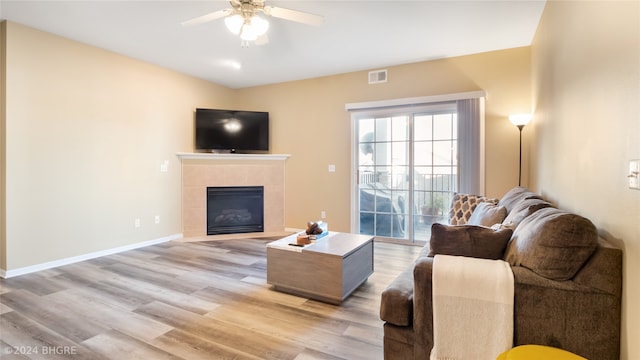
x,y
328,270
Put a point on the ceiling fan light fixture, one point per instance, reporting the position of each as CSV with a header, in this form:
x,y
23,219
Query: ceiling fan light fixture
x,y
241,19
253,28
260,25
234,23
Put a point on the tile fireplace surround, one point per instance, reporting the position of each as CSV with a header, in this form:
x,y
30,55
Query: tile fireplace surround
x,y
200,170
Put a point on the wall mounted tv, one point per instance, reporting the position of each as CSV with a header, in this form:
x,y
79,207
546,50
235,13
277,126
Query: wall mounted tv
x,y
231,131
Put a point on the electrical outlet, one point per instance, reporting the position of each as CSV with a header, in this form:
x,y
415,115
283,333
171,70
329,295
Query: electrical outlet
x,y
332,168
136,223
164,167
323,214
157,219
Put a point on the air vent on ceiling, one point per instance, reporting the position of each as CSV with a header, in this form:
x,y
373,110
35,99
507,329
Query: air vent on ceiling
x,y
377,76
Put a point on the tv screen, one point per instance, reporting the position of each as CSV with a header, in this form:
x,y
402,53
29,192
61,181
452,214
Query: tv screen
x,y
231,130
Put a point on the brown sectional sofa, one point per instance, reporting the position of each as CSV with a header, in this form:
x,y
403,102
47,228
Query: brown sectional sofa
x,y
568,281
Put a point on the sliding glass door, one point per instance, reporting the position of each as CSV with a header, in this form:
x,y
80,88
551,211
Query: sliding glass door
x,y
435,168
383,173
406,170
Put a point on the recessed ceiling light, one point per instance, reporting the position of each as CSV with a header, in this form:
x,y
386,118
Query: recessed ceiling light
x,y
232,64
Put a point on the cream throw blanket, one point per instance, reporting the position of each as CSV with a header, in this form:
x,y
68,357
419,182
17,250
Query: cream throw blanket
x,y
472,308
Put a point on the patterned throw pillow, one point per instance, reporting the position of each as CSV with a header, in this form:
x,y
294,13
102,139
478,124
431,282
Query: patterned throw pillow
x,y
462,207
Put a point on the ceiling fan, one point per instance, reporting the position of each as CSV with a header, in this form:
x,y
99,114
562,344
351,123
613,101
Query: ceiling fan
x,y
242,19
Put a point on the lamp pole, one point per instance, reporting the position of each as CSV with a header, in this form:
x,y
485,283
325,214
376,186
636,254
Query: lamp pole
x,y
520,120
520,127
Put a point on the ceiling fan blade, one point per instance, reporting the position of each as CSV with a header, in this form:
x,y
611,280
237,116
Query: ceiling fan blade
x,y
208,17
293,15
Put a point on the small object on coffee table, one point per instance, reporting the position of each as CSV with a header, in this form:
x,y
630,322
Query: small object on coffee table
x,y
302,239
313,228
317,230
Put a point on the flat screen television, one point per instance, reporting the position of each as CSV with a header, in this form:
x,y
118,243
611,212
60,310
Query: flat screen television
x,y
231,130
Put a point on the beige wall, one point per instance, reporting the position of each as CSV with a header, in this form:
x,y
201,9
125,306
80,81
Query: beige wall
x,y
86,132
309,121
586,71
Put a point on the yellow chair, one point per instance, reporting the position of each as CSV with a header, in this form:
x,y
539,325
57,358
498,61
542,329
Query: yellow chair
x,y
537,352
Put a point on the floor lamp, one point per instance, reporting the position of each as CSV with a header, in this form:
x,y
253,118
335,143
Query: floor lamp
x,y
520,120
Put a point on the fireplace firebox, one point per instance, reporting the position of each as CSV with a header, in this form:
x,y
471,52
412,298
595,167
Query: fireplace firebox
x,y
235,209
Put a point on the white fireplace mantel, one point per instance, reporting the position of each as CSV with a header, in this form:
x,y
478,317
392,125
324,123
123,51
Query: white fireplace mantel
x,y
214,156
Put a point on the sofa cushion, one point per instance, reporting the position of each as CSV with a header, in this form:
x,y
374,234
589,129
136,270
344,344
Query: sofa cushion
x,y
552,243
515,196
487,214
523,209
468,240
462,206
396,303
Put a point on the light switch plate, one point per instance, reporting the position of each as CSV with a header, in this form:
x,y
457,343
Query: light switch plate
x,y
634,174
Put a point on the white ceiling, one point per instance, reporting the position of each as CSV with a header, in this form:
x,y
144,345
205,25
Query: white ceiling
x,y
356,34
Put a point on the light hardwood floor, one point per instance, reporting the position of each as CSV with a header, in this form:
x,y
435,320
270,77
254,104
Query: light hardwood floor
x,y
176,300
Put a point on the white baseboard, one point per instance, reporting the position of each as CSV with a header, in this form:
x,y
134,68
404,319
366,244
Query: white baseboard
x,y
254,235
74,259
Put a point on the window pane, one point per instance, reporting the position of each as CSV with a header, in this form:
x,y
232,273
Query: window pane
x,y
430,206
422,153
400,130
366,154
383,177
383,201
400,178
367,224
383,129
422,178
383,153
443,127
442,153
400,151
402,201
365,126
366,145
422,125
383,225
448,177
367,176
363,158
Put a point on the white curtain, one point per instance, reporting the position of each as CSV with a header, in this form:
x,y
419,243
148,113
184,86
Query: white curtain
x,y
471,145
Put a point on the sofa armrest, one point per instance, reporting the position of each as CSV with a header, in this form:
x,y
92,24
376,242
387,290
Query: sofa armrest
x,y
422,307
580,318
396,302
603,271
